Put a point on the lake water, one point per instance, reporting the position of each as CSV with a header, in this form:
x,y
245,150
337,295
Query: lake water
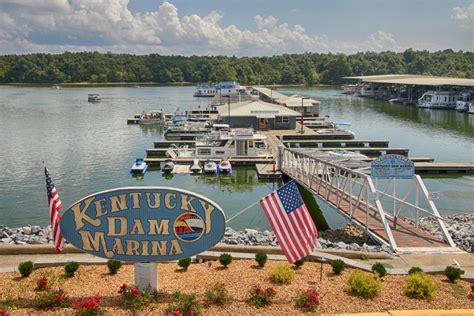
x,y
90,148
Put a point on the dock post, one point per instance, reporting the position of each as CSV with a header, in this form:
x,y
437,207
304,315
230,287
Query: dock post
x,y
280,157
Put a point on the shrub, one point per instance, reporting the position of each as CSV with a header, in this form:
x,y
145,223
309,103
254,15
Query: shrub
x,y
299,263
379,269
260,297
114,266
88,307
134,298
42,283
217,294
338,266
184,304
4,312
25,268
282,274
70,268
184,263
308,300
420,285
364,284
225,259
453,273
261,259
414,270
50,299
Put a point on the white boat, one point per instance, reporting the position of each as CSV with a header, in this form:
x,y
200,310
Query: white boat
x,y
225,167
210,167
239,142
373,91
139,166
167,167
93,98
438,100
55,86
223,88
152,117
195,166
471,108
463,102
346,154
196,224
350,88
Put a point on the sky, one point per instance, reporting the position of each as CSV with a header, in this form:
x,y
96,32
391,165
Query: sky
x,y
234,27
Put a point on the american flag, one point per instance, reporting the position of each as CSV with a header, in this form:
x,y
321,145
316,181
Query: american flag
x,y
54,206
291,222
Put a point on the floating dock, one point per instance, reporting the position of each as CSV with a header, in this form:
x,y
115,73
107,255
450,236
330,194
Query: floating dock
x,y
444,168
267,171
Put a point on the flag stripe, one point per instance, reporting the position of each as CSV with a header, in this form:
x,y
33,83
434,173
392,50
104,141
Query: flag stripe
x,y
55,205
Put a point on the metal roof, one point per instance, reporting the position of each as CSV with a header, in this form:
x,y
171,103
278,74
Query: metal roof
x,y
270,93
256,109
417,80
294,101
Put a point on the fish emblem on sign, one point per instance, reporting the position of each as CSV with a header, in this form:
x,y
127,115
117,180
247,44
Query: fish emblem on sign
x,y
144,224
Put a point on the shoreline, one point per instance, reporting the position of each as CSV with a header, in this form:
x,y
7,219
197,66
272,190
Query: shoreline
x,y
145,83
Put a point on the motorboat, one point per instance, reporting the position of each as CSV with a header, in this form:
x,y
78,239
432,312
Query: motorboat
x,y
438,100
210,167
152,117
195,166
184,130
167,167
225,167
55,86
239,142
93,98
463,102
139,167
471,108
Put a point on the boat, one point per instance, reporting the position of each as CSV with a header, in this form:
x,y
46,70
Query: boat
x,y
184,130
470,109
195,223
223,88
152,117
225,167
373,91
238,142
167,167
55,86
139,167
462,104
93,98
195,166
210,167
350,88
346,154
398,100
438,100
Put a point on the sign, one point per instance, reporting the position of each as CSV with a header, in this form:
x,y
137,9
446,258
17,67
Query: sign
x,y
144,224
392,166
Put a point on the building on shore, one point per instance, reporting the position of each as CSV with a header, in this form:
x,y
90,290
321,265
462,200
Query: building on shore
x,y
257,114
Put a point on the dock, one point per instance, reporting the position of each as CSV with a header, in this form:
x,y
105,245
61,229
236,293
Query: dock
x,y
444,168
267,171
333,143
235,161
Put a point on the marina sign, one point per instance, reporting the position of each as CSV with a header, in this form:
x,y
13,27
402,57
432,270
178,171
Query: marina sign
x,y
144,224
392,166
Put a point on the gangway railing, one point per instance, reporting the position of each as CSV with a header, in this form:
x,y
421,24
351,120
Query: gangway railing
x,y
379,207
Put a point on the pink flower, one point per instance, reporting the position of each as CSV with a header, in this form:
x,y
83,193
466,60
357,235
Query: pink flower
x,y
4,313
178,313
135,292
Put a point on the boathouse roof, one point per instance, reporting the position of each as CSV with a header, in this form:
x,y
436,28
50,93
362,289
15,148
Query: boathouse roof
x,y
257,109
416,80
294,101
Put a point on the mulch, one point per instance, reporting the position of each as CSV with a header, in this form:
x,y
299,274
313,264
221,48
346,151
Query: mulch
x,y
238,278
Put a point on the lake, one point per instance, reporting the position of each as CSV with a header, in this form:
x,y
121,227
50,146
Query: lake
x,y
89,147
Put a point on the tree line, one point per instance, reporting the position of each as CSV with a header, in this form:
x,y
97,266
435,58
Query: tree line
x,y
307,68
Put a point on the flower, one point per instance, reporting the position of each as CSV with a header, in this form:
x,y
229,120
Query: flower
x,y
98,298
135,292
178,313
122,288
4,313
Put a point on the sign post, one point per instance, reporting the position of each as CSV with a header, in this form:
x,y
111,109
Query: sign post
x,y
144,225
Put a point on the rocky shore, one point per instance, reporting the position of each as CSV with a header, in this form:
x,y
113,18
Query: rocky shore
x,y
461,228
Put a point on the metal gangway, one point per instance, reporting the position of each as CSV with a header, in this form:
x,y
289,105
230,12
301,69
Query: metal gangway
x,y
379,207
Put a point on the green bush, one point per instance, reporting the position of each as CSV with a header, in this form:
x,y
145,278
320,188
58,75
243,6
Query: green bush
x,y
364,284
338,266
282,274
25,268
70,268
217,294
453,273
261,259
298,264
420,285
379,269
225,259
414,270
184,263
114,266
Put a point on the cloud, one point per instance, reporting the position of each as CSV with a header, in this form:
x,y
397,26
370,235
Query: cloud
x,y
109,25
464,16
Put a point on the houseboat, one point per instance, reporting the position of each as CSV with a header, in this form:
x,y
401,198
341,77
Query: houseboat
x,y
463,102
152,117
373,91
239,142
223,88
470,110
438,99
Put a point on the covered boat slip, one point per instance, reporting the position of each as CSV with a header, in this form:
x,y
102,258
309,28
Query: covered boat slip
x,y
415,80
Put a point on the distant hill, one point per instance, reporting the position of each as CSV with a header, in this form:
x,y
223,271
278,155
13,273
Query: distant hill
x,y
307,68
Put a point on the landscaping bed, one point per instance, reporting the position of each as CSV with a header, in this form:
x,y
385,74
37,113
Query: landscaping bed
x,y
17,293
